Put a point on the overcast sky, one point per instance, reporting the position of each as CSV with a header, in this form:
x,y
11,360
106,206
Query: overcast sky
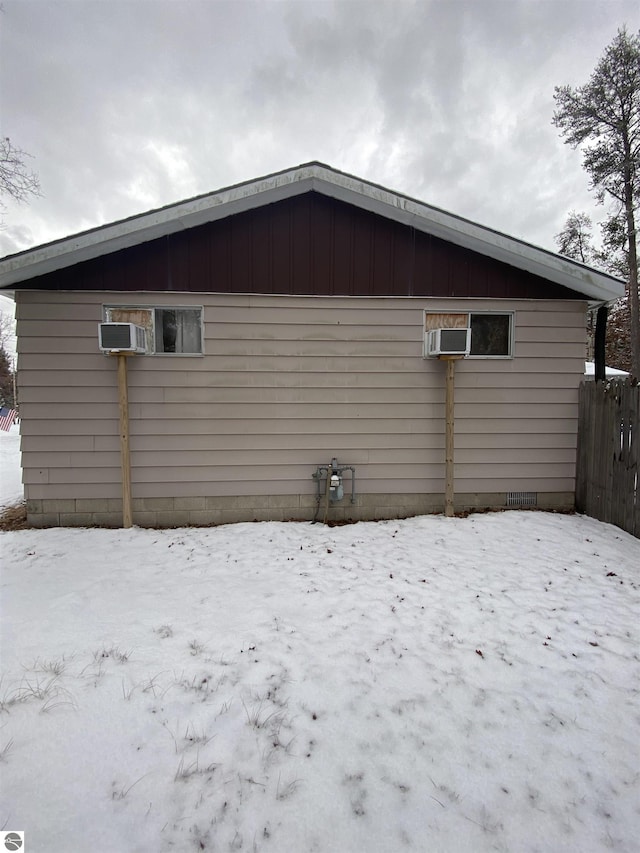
x,y
126,106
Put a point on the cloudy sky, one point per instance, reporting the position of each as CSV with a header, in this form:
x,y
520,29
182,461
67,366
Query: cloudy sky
x,y
127,105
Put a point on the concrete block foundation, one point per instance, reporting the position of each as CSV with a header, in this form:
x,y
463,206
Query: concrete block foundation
x,y
205,511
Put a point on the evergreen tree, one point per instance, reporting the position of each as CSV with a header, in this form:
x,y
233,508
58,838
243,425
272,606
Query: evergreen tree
x,y
575,240
603,119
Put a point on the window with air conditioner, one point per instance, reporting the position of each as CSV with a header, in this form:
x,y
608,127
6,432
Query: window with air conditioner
x,y
491,332
170,330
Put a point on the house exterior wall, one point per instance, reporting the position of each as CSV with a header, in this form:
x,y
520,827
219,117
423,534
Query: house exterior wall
x,y
285,384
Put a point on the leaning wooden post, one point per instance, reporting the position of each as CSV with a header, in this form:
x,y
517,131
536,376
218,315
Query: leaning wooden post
x,y
123,404
449,433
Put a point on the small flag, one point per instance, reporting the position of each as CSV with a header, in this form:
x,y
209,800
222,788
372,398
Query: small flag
x,y
7,417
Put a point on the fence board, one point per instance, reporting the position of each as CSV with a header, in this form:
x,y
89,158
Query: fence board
x,y
608,453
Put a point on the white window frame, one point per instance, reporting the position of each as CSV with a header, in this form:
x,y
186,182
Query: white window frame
x,y
107,312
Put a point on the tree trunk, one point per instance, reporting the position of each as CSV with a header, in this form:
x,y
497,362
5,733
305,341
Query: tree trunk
x,y
634,306
634,301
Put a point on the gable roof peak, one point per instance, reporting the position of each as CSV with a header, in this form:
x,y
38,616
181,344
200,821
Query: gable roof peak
x,y
313,176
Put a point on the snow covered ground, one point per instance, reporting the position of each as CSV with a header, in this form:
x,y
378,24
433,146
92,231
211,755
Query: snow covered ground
x,y
10,476
441,685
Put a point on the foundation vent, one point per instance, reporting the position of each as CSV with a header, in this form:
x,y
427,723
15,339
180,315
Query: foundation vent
x,y
522,498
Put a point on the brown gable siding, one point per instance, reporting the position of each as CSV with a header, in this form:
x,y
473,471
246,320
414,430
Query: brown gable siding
x,y
307,245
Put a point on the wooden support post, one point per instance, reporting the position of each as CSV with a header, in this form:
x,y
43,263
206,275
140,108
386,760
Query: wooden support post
x,y
449,433
123,404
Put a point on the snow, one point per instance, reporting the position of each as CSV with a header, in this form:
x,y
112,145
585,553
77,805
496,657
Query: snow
x,y
432,684
11,491
590,370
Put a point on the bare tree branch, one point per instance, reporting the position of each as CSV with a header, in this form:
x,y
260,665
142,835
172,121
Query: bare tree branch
x,y
16,180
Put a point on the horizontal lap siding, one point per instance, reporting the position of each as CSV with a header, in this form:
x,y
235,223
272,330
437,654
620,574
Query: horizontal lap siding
x,y
287,383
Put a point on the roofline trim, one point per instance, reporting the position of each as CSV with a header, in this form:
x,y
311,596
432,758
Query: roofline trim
x,y
279,186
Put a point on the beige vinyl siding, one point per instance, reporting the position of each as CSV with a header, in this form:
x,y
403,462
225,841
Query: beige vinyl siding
x,y
287,383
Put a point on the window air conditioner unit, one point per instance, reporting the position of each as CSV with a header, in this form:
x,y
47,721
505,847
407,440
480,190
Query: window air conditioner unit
x,y
447,342
122,337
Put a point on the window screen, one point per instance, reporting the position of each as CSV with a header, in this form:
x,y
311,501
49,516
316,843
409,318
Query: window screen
x,y
491,334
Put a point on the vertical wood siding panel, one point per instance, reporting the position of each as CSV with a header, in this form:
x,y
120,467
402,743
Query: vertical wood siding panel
x,y
458,274
322,250
137,272
382,277
403,261
240,271
362,258
282,257
199,261
219,250
301,224
260,255
479,283
343,250
434,269
156,266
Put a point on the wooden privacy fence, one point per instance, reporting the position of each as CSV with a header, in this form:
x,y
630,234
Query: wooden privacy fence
x,y
608,464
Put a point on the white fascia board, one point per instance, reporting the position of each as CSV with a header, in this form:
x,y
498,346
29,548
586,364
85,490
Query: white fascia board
x,y
272,188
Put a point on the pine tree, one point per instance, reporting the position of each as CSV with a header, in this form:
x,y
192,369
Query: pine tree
x,y
603,119
575,239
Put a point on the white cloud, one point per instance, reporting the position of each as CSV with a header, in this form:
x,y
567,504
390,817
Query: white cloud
x,y
132,105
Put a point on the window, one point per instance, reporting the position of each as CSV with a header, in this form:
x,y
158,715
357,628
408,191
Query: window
x,y
178,330
491,335
169,330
